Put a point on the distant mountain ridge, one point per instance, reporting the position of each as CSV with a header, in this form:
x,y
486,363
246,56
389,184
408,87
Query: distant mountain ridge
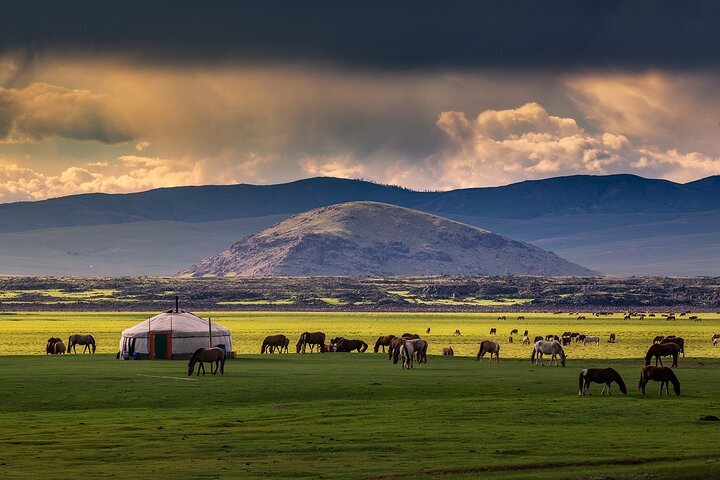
x,y
617,224
371,238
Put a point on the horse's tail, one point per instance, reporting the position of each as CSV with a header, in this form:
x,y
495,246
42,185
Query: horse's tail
x,y
364,347
642,377
621,383
532,357
581,381
396,352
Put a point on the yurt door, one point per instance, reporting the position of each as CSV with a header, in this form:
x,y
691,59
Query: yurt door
x,y
160,346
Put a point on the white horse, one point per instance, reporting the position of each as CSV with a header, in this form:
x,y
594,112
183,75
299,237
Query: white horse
x,y
547,348
593,339
407,353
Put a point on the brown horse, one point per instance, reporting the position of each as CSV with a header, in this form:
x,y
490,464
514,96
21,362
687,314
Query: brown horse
x,y
658,339
211,355
448,352
383,342
345,345
410,336
273,342
50,345
394,343
311,339
678,340
86,340
489,346
493,331
600,375
659,350
664,375
514,331
59,348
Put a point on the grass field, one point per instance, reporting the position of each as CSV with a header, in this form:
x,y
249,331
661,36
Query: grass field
x,y
27,332
349,415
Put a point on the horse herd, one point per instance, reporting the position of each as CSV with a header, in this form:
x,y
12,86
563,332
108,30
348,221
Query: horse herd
x,y
55,346
409,349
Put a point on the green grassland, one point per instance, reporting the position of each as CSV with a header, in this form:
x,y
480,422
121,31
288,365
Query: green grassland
x,y
26,332
349,416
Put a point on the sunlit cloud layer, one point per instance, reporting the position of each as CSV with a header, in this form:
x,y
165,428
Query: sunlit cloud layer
x,y
78,125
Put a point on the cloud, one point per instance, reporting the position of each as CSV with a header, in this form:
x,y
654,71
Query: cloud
x,y
41,110
499,147
341,166
375,35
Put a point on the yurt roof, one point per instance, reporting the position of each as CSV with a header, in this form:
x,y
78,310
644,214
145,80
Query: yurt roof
x,y
180,321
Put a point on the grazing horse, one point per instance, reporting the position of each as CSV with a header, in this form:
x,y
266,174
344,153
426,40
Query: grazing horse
x,y
383,342
50,345
448,352
591,339
514,331
394,343
345,345
664,375
659,350
273,342
658,339
427,330
406,351
580,338
538,338
678,340
525,333
86,340
714,339
566,334
521,317
211,355
526,340
489,346
493,331
457,332
502,318
410,350
510,339
59,348
612,338
542,347
581,317
311,339
600,375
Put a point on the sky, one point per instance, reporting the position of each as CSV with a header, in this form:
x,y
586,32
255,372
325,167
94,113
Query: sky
x,y
127,96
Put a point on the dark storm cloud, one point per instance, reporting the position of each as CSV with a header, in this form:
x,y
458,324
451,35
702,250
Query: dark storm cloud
x,y
386,34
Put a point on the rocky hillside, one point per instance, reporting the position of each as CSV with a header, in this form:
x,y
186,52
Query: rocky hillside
x,y
370,238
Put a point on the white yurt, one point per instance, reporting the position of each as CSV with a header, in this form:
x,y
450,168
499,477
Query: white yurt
x,y
175,334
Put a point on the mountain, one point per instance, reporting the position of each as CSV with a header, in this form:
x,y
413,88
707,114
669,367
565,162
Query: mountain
x,y
586,194
370,238
618,224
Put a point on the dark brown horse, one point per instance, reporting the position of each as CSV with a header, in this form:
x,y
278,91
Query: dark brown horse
x,y
50,345
600,375
211,355
664,375
59,348
86,340
410,336
275,342
311,339
346,345
394,343
493,331
448,352
659,350
658,339
383,342
678,340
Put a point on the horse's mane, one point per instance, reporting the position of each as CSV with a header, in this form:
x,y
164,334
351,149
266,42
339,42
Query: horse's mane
x,y
197,352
